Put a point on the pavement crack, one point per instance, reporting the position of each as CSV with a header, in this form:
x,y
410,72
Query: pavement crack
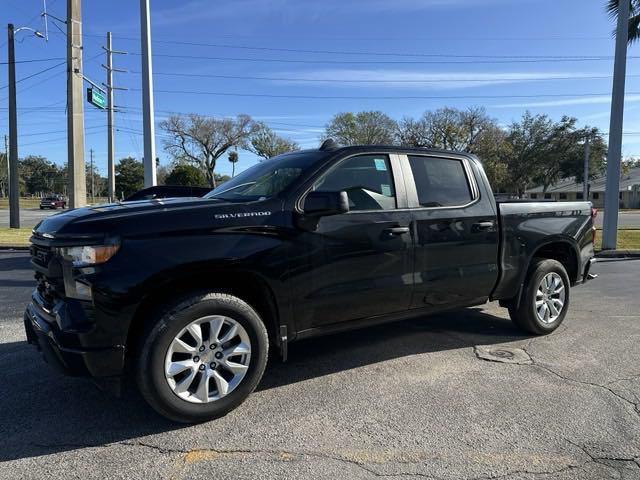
x,y
535,363
164,450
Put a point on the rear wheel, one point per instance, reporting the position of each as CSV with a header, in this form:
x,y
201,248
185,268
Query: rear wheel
x,y
545,298
203,358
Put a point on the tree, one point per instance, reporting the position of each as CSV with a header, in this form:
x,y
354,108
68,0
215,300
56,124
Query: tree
x,y
185,174
493,150
99,182
38,175
362,128
202,140
634,17
267,144
162,171
4,177
447,128
129,177
573,165
528,141
220,179
233,158
413,133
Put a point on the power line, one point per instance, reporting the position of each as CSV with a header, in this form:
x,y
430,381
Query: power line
x,y
336,80
36,74
361,52
360,38
382,62
56,131
366,97
34,60
50,140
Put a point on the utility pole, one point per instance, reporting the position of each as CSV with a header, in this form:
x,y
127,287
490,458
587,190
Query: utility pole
x,y
614,156
585,177
110,111
148,118
14,183
75,107
92,184
5,189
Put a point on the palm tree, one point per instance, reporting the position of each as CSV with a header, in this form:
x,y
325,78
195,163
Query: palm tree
x,y
634,17
233,158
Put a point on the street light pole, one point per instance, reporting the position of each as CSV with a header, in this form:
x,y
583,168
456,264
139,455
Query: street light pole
x,y
585,178
14,183
614,156
148,117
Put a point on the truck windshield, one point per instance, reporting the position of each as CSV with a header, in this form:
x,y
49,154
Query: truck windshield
x,y
266,179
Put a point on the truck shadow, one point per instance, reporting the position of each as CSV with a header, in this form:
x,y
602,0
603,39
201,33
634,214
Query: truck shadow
x,y
42,413
325,355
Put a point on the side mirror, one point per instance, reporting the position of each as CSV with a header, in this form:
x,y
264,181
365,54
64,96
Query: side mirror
x,y
324,204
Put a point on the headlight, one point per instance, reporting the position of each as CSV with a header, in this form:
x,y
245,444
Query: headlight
x,y
88,255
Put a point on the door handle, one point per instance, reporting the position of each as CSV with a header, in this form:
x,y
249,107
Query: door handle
x,y
396,230
482,226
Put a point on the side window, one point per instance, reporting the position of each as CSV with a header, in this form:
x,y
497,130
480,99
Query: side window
x,y
367,180
440,182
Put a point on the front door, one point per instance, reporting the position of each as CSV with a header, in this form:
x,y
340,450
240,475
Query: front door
x,y
358,264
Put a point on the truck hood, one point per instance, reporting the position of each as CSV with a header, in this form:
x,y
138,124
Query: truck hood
x,y
149,217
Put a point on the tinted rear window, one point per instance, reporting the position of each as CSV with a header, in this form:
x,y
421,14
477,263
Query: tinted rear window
x,y
441,182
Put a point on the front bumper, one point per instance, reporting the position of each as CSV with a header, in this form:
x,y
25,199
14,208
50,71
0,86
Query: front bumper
x,y
43,331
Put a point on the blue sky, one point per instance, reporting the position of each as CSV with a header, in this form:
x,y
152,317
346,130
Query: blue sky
x,y
404,56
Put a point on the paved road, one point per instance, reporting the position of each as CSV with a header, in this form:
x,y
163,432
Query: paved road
x,y
406,400
29,217
625,219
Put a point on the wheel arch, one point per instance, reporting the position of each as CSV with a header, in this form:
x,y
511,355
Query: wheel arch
x,y
245,284
562,250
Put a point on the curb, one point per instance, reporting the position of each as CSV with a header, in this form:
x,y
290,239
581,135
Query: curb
x,y
17,248
618,254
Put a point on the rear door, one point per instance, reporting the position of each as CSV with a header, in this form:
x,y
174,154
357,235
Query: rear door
x,y
358,264
456,231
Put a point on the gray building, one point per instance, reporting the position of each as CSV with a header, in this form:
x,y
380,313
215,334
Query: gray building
x,y
568,190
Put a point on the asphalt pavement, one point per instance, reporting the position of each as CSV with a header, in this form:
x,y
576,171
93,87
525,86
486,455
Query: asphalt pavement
x,y
29,217
625,219
412,399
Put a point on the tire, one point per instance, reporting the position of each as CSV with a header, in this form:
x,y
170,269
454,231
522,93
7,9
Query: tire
x,y
539,318
166,394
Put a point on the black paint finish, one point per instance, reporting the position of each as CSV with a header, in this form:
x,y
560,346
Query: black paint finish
x,y
316,275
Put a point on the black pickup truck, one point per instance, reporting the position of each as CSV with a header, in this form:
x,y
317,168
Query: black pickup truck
x,y
189,296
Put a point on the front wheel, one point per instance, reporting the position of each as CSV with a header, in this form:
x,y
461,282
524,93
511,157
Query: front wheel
x,y
203,358
545,298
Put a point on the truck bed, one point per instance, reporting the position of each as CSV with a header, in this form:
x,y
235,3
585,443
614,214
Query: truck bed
x,y
562,228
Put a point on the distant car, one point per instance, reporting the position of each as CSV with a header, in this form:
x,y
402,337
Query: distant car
x,y
53,201
168,191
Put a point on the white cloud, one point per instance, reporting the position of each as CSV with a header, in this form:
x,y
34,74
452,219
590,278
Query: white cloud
x,y
200,10
594,100
393,78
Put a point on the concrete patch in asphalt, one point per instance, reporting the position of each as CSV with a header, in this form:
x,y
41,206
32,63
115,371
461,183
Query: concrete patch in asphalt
x,y
513,355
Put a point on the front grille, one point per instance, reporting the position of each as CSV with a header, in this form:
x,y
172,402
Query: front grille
x,y
50,283
41,255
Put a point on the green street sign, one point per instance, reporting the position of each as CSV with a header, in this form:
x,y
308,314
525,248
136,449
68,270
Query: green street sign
x,y
96,98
